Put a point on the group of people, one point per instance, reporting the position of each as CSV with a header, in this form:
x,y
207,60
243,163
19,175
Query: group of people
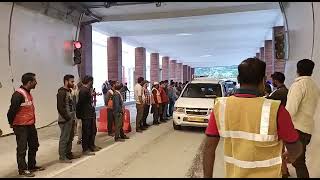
x,y
161,99
75,108
268,129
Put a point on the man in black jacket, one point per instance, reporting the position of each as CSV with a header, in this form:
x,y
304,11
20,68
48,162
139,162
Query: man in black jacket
x,y
66,120
21,117
86,112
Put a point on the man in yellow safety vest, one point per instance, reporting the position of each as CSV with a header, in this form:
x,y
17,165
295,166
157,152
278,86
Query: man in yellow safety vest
x,y
253,128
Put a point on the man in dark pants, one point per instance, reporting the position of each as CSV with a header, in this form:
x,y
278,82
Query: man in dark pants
x,y
156,103
118,111
86,112
21,117
66,109
280,93
109,104
146,99
302,101
138,92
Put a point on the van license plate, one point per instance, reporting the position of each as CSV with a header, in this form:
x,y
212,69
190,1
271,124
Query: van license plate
x,y
196,119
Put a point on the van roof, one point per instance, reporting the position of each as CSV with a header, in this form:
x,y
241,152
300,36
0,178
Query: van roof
x,y
206,80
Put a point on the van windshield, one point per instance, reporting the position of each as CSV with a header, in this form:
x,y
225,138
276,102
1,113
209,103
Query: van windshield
x,y
202,90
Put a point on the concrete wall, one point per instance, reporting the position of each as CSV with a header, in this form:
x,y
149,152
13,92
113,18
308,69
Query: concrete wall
x,y
303,31
41,45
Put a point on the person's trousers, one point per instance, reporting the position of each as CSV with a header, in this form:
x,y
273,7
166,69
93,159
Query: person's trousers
x,y
165,110
110,120
146,111
155,111
27,138
171,105
118,119
89,131
66,138
78,129
140,108
300,163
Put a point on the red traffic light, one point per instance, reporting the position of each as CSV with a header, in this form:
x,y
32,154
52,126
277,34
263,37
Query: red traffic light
x,y
77,44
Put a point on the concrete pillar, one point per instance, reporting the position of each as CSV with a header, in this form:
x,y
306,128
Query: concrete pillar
x,y
278,49
140,62
262,53
154,67
165,68
268,57
85,37
179,72
185,73
192,73
258,55
114,49
173,70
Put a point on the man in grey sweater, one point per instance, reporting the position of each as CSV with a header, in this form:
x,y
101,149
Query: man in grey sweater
x,y
66,120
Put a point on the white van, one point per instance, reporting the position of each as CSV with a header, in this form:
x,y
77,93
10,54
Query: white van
x,y
195,103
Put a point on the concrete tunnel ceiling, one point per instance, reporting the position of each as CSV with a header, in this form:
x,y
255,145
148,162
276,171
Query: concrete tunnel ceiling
x,y
203,34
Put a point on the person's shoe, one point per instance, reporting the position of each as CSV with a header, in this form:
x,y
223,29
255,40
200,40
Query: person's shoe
x,y
72,156
88,153
156,123
146,125
65,160
286,175
95,149
124,137
119,140
26,173
143,128
37,168
139,130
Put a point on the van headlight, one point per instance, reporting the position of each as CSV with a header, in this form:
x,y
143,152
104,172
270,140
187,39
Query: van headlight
x,y
179,109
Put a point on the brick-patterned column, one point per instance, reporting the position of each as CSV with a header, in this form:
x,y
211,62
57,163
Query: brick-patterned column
x,y
262,53
179,72
184,73
258,55
140,62
154,67
114,49
173,70
278,49
189,73
192,73
85,36
268,57
165,68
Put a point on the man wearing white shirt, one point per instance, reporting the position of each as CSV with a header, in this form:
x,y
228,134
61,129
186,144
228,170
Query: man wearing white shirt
x,y
302,102
138,92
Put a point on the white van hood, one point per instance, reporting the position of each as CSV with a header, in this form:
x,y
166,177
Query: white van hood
x,y
195,102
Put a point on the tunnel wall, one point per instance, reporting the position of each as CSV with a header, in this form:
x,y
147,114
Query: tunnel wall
x,y
41,45
304,42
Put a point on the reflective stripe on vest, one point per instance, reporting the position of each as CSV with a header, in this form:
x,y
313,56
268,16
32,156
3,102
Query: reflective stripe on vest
x,y
27,102
253,164
264,125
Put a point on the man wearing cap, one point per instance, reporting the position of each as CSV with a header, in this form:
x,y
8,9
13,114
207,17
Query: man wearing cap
x,y
156,103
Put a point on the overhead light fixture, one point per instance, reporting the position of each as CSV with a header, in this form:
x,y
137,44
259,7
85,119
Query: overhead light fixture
x,y
183,34
207,55
158,4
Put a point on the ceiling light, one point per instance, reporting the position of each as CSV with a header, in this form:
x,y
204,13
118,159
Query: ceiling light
x,y
183,34
208,55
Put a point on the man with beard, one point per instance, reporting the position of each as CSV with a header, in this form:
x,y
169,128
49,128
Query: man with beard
x,y
280,93
86,112
21,117
66,109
